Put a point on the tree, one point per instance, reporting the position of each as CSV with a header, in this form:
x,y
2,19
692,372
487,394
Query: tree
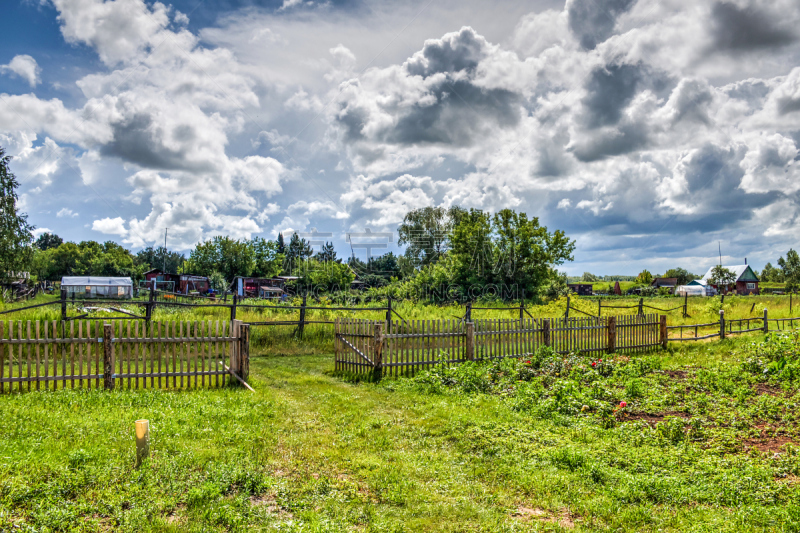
x,y
203,259
327,253
790,267
426,233
161,258
47,241
268,261
15,232
298,251
722,278
327,276
771,274
281,244
682,275
588,277
217,281
644,277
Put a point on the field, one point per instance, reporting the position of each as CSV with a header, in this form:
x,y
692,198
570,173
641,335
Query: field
x,y
702,445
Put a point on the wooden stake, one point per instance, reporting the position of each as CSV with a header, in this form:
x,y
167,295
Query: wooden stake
x,y
108,357
142,441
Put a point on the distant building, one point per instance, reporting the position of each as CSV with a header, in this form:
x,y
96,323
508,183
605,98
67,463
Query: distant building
x,y
178,283
253,287
746,280
81,287
667,283
581,289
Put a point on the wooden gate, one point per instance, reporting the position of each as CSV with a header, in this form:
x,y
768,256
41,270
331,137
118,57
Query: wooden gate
x,y
358,345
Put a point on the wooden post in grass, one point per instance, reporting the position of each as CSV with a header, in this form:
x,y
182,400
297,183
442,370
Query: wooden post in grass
x,y
766,322
641,303
722,324
148,308
142,441
599,307
685,304
108,357
389,313
301,324
663,331
243,367
611,345
63,304
470,343
546,332
377,372
468,313
233,306
566,312
521,311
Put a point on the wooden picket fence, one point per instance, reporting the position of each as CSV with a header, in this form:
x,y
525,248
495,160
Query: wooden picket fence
x,y
92,354
404,347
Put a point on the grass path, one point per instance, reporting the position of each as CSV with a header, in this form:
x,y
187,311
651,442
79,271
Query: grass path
x,y
308,452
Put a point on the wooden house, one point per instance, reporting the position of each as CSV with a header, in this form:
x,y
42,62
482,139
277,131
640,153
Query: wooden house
x,y
254,287
746,280
667,283
581,289
177,283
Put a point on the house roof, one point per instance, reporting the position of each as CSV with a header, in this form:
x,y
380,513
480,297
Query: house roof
x,y
741,272
665,282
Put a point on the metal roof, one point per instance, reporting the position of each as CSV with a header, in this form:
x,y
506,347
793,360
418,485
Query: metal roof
x,y
738,270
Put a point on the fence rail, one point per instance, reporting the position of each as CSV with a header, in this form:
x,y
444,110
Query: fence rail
x,y
60,354
407,346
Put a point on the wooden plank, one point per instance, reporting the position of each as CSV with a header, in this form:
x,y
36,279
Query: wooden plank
x,y
196,355
98,333
3,358
160,331
38,361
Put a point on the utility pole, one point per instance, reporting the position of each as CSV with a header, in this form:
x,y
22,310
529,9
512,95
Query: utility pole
x,y
165,249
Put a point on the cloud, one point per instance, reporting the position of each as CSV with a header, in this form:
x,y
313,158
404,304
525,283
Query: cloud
x,y
66,212
25,67
110,226
738,28
593,21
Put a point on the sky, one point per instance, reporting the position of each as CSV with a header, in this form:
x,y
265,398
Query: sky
x,y
654,133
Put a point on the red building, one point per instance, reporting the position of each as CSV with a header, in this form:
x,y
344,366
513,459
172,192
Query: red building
x,y
178,283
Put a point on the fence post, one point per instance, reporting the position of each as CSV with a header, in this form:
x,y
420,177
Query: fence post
x,y
521,312
244,351
612,334
599,307
233,306
663,331
546,332
470,344
377,372
566,313
766,322
468,314
641,302
685,304
301,324
722,324
108,357
148,310
63,304
389,313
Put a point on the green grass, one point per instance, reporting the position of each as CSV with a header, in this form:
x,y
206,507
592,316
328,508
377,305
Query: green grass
x,y
471,449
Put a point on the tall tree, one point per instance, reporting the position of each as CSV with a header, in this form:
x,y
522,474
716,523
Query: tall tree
x,y
298,251
268,261
790,268
771,274
722,277
15,232
681,274
47,241
426,231
161,258
327,253
281,244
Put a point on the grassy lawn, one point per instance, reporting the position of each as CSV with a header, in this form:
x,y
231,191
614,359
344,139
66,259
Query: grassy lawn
x,y
704,444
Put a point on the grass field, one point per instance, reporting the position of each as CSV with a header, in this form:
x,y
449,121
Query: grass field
x,y
702,445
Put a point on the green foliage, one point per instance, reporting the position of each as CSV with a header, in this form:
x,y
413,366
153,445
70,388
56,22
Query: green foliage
x,y
218,281
644,277
683,276
233,258
89,258
588,277
160,257
15,232
426,233
327,253
722,277
329,276
558,287
47,241
790,267
770,274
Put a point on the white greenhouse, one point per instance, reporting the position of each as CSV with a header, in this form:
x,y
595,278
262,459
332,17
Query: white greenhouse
x,y
97,287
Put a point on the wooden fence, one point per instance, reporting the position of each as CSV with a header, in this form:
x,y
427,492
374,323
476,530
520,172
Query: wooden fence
x,y
52,355
401,348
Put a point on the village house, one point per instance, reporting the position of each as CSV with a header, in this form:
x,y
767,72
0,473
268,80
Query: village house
x,y
746,280
667,283
178,283
581,289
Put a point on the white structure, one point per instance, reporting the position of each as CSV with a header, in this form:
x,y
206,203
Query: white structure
x,y
97,287
691,290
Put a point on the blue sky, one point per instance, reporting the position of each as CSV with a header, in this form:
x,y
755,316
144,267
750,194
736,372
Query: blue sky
x,y
648,131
